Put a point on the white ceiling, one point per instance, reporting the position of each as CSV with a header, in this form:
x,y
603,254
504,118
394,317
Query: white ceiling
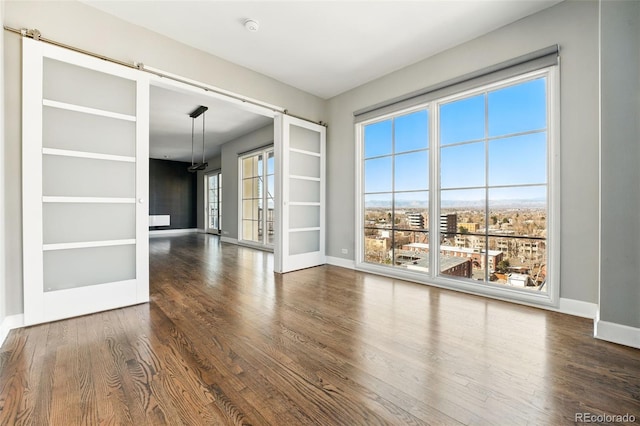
x,y
170,124
322,47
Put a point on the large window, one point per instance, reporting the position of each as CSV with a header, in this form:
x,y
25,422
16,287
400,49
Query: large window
x,y
256,201
396,192
468,174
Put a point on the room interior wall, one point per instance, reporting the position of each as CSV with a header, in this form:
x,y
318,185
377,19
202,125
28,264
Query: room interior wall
x,y
172,191
214,165
79,25
620,156
571,24
230,152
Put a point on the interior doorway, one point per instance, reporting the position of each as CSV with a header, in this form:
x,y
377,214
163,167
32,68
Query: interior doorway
x,y
213,202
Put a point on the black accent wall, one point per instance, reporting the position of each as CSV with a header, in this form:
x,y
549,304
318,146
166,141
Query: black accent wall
x,y
172,191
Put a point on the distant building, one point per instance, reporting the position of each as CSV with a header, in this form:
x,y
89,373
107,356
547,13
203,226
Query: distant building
x,y
478,257
416,220
448,225
419,261
520,280
469,226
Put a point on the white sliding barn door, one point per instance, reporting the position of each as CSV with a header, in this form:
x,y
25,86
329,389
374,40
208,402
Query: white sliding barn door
x,y
300,194
85,126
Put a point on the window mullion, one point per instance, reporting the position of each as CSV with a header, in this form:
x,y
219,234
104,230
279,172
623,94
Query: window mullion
x,y
486,185
434,189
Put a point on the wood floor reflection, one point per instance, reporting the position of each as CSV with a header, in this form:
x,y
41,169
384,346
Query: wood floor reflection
x,y
225,341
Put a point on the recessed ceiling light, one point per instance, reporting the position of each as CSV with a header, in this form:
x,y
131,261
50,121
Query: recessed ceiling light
x,y
251,25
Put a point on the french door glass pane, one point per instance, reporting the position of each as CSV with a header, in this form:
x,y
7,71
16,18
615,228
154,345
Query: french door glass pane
x,y
84,177
304,217
80,86
257,197
304,242
72,268
304,165
76,131
303,139
305,191
72,222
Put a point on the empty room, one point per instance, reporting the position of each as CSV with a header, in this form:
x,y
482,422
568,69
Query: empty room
x,y
222,212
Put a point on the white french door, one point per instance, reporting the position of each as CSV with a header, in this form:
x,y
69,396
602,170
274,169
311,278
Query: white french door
x,y
85,184
213,191
300,193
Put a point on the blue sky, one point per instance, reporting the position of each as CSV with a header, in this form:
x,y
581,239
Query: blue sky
x,y
512,159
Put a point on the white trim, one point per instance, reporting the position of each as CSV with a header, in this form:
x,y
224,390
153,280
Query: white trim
x,y
578,308
257,246
618,333
315,228
494,291
305,152
229,240
10,323
339,261
87,110
162,232
92,155
106,200
88,244
314,179
78,301
304,203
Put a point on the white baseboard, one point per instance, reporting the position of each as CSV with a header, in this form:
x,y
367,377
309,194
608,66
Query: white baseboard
x,y
9,323
578,308
229,240
161,232
618,333
343,263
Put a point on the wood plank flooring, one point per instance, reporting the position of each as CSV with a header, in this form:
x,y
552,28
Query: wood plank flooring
x,y
225,341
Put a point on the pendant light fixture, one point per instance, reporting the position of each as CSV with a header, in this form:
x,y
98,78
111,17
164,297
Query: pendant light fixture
x,y
195,114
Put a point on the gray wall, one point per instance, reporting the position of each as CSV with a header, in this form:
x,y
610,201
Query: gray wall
x,y
230,152
214,165
172,191
574,26
620,156
79,25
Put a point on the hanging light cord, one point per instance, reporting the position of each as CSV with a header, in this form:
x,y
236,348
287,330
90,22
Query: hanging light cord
x,y
192,130
203,115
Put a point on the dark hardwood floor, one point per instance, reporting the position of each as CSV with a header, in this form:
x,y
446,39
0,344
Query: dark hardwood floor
x,y
225,341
